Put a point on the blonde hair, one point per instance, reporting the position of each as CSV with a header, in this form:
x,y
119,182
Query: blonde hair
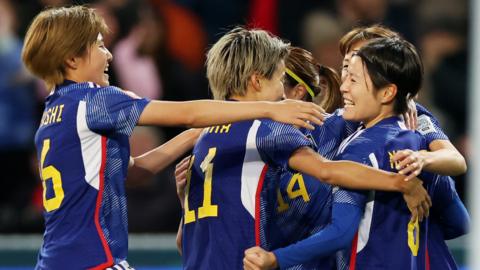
x,y
239,54
57,34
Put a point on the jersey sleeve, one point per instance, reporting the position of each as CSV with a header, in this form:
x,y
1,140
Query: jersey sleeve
x,y
429,126
110,109
448,210
337,235
276,142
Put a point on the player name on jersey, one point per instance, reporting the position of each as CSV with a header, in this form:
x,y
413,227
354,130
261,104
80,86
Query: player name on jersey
x,y
52,115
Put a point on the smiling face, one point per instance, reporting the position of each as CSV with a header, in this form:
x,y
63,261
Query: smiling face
x,y
93,66
362,101
348,56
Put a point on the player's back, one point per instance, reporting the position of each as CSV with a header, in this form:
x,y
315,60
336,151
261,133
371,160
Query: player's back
x,y
303,203
386,238
224,205
85,226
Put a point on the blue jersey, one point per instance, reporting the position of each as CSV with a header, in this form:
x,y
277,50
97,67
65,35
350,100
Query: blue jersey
x,y
448,216
386,238
224,208
448,219
83,149
303,203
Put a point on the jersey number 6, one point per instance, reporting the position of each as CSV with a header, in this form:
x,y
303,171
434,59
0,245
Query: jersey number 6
x,y
50,172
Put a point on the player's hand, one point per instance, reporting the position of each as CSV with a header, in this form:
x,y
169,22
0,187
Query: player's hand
x,y
409,163
297,113
181,178
411,116
417,199
256,258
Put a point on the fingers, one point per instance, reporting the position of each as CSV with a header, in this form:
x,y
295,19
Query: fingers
x,y
407,162
414,213
314,118
182,166
421,214
412,170
413,117
407,120
401,155
426,208
304,124
247,265
412,175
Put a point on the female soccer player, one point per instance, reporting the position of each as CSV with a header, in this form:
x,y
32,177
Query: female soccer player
x,y
82,140
302,201
232,165
318,244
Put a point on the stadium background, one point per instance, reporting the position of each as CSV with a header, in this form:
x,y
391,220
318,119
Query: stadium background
x,y
159,49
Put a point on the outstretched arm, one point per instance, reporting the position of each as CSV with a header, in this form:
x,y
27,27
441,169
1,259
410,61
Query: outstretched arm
x,y
150,163
353,175
335,236
203,113
443,158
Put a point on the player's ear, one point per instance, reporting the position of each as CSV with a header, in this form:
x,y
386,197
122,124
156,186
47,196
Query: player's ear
x,y
255,80
389,93
300,91
72,63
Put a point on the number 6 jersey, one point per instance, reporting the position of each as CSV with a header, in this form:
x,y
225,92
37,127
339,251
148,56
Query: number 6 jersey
x,y
83,152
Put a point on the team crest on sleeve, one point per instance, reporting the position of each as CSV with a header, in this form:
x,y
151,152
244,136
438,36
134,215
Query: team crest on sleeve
x,y
425,125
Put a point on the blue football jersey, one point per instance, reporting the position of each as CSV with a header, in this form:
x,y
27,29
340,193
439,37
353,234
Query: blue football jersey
x,y
83,151
224,206
386,238
303,203
448,219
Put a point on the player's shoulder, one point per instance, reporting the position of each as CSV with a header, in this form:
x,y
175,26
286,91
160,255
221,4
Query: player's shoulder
x,y
274,126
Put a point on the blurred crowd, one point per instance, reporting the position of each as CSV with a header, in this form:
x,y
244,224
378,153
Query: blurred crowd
x,y
159,50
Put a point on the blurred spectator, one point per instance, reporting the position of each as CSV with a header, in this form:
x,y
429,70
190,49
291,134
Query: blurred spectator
x,y
233,12
152,203
17,124
139,50
149,32
185,37
320,34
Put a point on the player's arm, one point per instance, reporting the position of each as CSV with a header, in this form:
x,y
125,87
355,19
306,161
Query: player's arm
x,y
443,158
448,210
202,113
353,175
335,236
454,220
150,163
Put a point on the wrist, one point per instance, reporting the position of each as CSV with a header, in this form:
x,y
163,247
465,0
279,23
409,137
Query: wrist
x,y
273,260
267,109
400,184
426,157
